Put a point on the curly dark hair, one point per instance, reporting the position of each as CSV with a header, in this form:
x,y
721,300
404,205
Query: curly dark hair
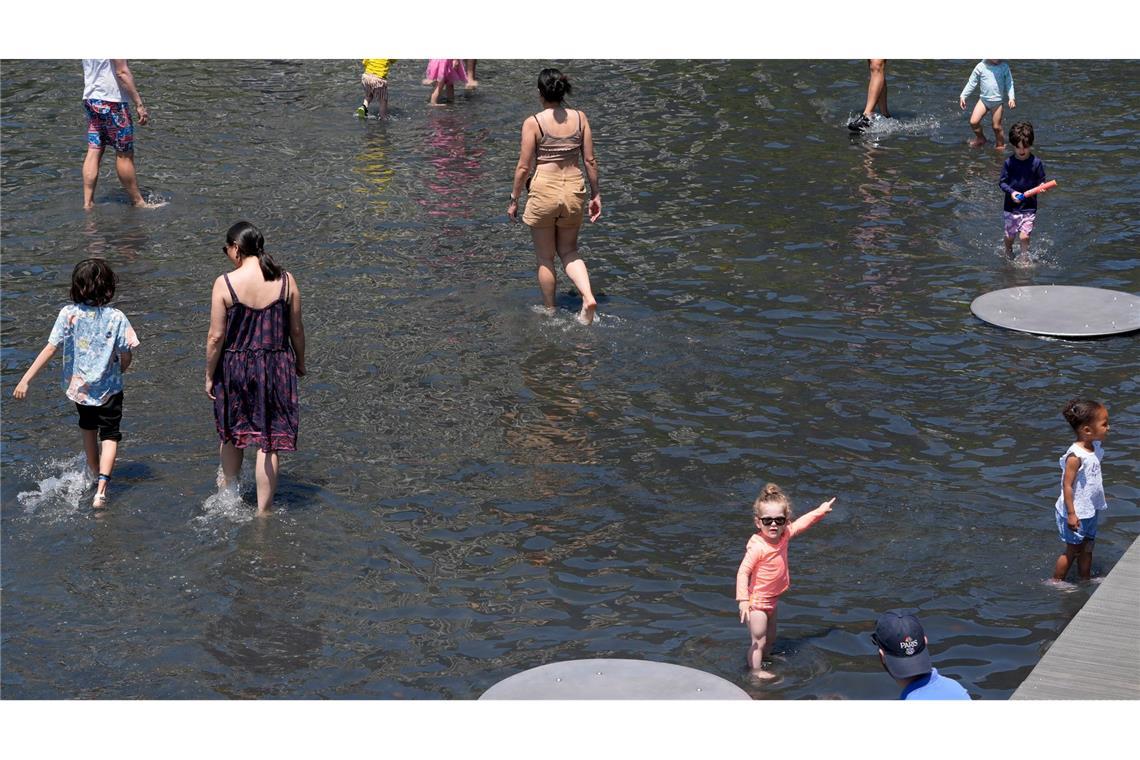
x,y
1021,133
1081,411
93,282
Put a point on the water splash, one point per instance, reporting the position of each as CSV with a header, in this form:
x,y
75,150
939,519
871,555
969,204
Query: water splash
x,y
228,503
155,201
918,125
60,494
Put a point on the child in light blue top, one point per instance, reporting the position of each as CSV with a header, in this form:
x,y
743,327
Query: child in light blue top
x,y
993,80
97,342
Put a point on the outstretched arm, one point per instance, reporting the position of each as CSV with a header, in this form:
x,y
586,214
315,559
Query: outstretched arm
x,y
811,518
45,356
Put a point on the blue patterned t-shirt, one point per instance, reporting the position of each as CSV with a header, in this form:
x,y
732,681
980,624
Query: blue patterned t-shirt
x,y
92,338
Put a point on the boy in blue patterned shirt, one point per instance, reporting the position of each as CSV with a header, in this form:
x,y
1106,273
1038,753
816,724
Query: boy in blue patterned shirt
x,y
97,342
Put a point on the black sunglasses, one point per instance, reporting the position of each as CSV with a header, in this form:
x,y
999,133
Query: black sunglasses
x,y
773,520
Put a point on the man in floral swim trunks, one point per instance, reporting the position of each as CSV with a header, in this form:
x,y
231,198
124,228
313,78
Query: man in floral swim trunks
x,y
109,123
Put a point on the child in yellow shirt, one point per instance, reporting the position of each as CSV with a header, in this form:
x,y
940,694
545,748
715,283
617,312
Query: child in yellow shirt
x,y
375,81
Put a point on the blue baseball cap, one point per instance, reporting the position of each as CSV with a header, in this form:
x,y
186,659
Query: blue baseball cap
x,y
903,643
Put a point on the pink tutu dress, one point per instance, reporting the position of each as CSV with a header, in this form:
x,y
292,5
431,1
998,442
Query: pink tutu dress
x,y
446,70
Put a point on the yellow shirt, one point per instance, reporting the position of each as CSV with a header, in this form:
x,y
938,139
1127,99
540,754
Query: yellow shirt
x,y
377,66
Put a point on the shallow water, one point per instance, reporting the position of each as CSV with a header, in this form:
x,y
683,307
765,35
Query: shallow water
x,y
482,488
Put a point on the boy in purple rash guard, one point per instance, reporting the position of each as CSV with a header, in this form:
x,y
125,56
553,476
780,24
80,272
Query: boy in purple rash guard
x,y
1022,171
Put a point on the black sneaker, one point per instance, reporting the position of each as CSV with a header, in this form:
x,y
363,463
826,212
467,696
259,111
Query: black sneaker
x,y
859,123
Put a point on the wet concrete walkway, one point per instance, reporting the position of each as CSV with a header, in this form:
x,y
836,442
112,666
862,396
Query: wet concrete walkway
x,y
1097,656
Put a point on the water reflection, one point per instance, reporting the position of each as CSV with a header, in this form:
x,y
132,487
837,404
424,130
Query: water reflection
x,y
455,164
879,231
375,168
263,632
123,237
552,427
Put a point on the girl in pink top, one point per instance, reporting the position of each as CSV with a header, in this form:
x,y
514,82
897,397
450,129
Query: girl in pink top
x,y
763,573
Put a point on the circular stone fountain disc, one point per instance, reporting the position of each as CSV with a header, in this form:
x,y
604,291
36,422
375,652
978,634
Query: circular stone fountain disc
x,y
1065,311
614,679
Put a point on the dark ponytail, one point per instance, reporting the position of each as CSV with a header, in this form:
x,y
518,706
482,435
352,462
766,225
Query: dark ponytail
x,y
250,242
553,85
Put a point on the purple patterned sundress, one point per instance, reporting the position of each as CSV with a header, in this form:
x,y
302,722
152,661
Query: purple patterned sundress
x,y
255,383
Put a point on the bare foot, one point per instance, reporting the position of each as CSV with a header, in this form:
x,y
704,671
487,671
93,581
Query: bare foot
x,y
762,675
999,146
471,84
428,82
977,142
88,206
586,315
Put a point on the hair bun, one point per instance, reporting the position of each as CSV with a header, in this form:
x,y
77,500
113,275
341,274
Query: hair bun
x,y
771,489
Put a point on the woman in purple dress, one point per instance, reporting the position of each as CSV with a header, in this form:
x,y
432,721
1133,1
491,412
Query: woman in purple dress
x,y
255,351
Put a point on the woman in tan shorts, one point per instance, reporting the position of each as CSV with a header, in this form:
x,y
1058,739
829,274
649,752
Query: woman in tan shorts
x,y
553,142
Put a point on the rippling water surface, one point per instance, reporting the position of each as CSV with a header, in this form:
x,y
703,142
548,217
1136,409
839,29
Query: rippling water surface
x,y
482,488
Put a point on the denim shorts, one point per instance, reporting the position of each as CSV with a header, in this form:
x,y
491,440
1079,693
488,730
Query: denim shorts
x,y
1086,533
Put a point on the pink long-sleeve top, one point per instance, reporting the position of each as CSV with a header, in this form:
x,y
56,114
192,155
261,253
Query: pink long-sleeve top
x,y
764,568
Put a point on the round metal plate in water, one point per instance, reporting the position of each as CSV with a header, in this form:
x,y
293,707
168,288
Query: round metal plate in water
x,y
1064,311
614,679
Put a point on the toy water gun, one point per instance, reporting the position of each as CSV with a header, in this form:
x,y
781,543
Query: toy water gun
x,y
1034,190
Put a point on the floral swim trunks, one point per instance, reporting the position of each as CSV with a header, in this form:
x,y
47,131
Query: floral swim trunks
x,y
1018,222
109,123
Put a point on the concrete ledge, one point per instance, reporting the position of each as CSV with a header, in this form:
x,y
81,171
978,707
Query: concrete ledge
x,y
1097,656
614,679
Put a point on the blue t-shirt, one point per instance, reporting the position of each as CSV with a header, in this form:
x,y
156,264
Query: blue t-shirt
x,y
1021,176
934,686
92,338
994,81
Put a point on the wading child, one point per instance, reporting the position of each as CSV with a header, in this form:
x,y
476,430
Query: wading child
x,y
97,342
375,82
443,74
1082,487
994,83
763,573
1022,171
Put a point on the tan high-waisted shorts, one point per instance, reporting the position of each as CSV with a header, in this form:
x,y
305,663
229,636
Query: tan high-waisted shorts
x,y
555,199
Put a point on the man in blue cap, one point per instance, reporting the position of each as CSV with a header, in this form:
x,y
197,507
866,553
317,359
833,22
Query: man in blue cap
x,y
904,654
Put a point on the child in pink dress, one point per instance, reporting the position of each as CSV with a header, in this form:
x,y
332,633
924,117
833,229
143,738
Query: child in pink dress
x,y
763,573
444,73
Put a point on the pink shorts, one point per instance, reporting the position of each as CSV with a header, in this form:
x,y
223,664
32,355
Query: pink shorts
x,y
1018,223
761,603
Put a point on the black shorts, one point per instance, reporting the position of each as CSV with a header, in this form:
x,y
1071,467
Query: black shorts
x,y
105,418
